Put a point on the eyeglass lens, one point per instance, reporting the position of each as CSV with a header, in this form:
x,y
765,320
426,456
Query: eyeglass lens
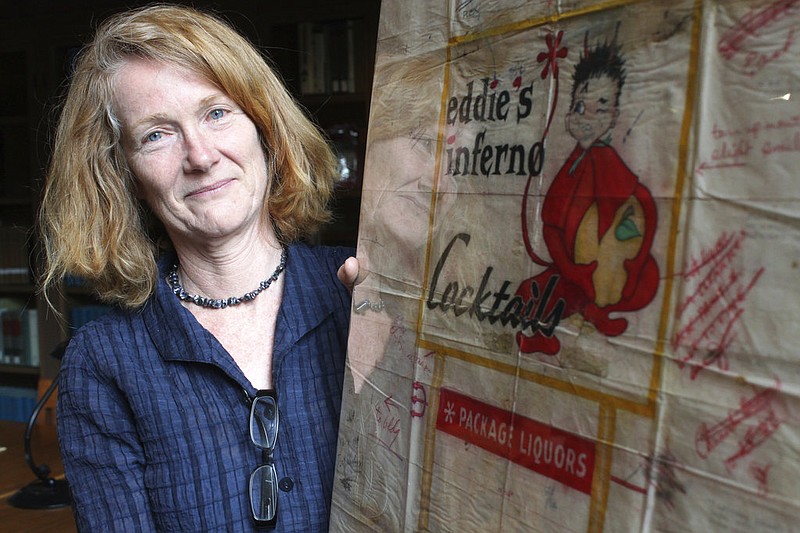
x,y
264,422
264,492
264,418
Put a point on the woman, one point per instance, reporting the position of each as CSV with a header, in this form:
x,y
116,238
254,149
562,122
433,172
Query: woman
x,y
182,179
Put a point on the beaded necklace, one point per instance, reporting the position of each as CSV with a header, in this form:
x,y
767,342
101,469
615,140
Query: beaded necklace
x,y
222,303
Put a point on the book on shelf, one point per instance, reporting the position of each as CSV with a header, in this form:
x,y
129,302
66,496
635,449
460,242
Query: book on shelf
x,y
14,255
17,403
327,57
30,337
74,282
19,344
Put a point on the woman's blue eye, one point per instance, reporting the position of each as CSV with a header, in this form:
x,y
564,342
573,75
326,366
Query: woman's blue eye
x,y
156,135
580,107
217,114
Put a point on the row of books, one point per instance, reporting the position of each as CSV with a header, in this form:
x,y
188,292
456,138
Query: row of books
x,y
14,255
327,57
17,403
19,344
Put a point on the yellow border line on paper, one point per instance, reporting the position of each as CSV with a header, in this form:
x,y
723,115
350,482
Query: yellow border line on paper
x,y
430,445
606,432
677,201
561,385
539,21
438,365
608,404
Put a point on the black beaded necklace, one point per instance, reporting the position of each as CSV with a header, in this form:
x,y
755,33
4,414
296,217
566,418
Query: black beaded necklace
x,y
221,303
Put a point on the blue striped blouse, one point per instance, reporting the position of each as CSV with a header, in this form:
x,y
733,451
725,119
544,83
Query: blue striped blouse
x,y
153,411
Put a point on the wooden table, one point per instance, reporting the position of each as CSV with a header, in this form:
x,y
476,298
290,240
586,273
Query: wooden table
x,y
15,474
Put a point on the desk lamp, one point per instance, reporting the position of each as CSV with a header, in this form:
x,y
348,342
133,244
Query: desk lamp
x,y
46,492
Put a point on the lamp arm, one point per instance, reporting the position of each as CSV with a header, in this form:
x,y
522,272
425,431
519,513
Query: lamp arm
x,y
41,471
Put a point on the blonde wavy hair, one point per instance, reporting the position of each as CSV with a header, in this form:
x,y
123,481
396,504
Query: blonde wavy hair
x,y
91,223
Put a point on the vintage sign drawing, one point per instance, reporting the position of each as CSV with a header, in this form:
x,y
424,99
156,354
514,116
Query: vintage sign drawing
x,y
598,220
580,223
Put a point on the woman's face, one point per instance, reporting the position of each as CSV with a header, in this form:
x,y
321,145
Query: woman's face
x,y
196,156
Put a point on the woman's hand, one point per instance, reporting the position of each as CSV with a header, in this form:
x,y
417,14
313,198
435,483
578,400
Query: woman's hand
x,y
350,273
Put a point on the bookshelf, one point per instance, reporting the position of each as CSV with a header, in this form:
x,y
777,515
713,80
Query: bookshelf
x,y
326,51
335,39
19,350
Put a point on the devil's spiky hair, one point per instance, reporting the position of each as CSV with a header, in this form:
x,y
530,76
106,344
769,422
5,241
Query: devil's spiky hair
x,y
603,60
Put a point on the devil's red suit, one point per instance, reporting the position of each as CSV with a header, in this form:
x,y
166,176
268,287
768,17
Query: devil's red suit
x,y
591,176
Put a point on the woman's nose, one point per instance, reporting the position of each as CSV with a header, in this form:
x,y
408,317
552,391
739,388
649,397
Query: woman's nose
x,y
200,152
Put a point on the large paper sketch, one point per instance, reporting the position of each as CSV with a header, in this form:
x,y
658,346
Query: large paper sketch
x,y
598,220
580,222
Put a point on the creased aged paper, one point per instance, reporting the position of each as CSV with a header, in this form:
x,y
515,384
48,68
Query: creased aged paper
x,y
580,222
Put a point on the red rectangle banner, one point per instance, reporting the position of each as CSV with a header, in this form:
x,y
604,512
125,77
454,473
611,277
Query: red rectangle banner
x,y
557,454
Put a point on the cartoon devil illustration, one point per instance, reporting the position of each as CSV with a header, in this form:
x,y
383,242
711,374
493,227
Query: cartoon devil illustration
x,y
598,219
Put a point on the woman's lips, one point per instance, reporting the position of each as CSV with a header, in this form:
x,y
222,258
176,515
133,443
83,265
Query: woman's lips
x,y
210,188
